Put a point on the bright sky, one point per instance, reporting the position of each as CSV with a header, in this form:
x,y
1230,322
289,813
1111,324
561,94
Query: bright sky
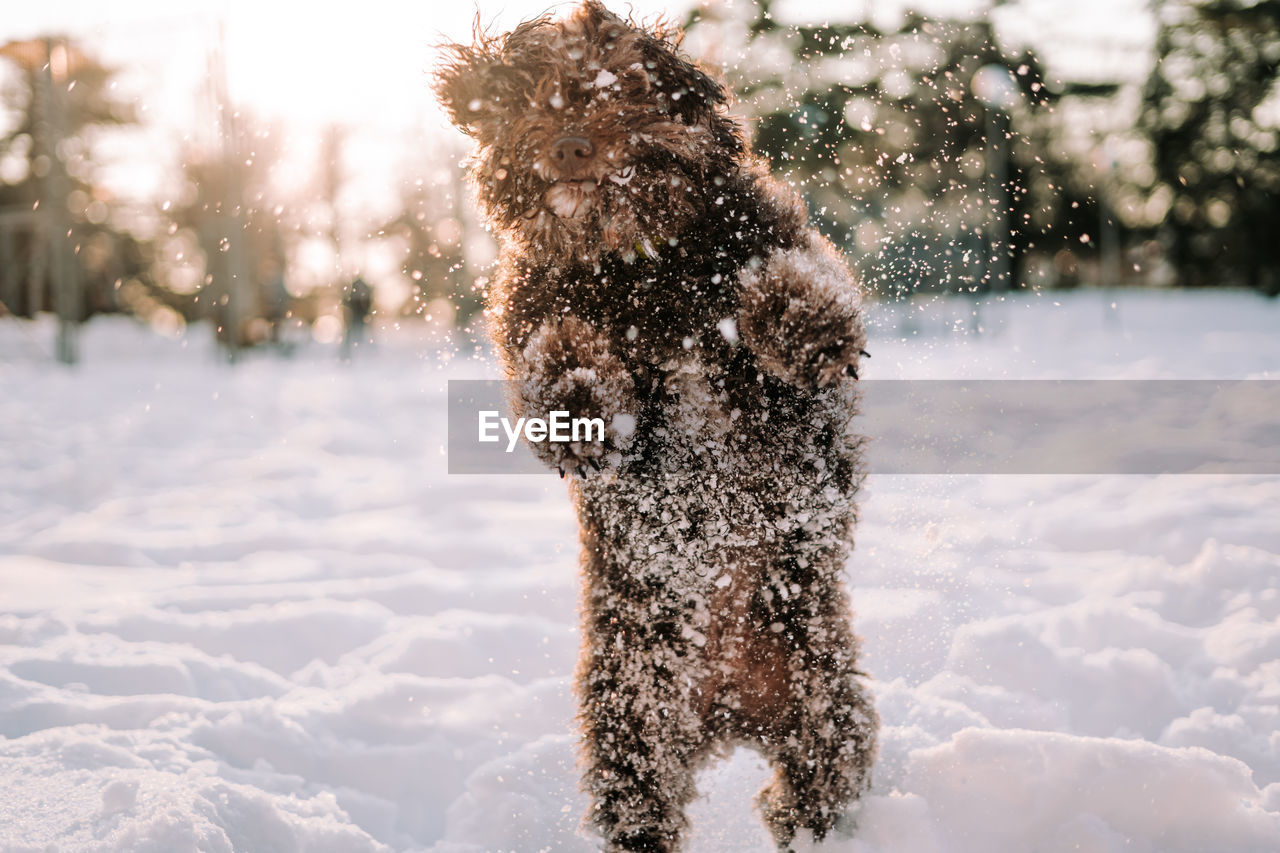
x,y
366,65
364,61
367,61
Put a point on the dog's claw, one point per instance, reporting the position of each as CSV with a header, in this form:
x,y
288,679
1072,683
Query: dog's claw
x,y
561,470
864,353
594,464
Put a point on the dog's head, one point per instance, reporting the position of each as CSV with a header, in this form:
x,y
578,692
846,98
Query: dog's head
x,y
594,134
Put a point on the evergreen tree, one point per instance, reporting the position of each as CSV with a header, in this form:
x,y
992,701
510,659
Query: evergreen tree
x,y
430,222
237,217
900,159
56,100
1213,116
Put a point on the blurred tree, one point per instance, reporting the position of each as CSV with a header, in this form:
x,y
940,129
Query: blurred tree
x,y
900,155
232,213
430,221
56,101
329,175
1213,116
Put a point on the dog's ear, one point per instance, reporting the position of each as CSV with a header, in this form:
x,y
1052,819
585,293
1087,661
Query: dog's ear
x,y
464,84
593,17
689,91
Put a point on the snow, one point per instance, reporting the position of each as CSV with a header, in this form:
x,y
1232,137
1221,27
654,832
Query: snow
x,y
246,609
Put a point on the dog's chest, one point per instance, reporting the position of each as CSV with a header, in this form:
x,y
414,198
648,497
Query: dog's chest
x,y
692,399
656,308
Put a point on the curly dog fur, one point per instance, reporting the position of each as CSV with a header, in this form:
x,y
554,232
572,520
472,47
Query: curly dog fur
x,y
655,276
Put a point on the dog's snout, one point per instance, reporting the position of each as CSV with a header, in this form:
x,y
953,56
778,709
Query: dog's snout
x,y
569,150
571,157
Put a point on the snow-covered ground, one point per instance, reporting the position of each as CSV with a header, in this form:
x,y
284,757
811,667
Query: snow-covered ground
x,y
246,609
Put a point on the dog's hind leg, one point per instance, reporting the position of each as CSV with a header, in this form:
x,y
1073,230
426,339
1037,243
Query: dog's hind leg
x,y
642,734
818,725
823,764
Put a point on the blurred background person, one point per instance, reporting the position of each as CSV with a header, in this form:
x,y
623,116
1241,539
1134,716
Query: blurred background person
x,y
357,306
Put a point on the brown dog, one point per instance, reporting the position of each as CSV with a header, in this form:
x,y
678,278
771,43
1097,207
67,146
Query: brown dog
x,y
655,276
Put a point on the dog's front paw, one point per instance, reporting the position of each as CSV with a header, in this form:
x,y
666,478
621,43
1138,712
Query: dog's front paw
x,y
800,316
829,363
600,410
570,369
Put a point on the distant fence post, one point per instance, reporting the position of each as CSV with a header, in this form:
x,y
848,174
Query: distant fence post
x,y
51,64
9,282
994,86
63,265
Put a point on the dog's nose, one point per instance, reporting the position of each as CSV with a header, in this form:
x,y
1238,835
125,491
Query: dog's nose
x,y
571,151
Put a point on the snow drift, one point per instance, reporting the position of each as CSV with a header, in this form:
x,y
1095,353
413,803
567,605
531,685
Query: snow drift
x,y
248,610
